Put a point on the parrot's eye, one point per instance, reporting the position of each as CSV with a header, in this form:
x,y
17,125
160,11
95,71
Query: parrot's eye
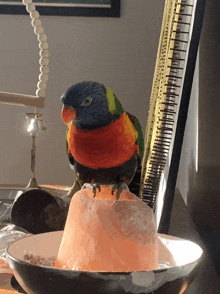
x,y
86,101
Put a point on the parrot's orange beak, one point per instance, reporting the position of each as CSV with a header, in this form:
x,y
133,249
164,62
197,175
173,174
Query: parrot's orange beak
x,y
68,115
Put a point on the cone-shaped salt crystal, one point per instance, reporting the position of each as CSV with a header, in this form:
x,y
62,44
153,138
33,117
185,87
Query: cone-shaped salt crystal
x,y
104,234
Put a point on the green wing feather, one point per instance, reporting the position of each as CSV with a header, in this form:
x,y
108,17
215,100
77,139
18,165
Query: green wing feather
x,y
140,139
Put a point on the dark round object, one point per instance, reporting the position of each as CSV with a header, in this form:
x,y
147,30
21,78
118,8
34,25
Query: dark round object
x,y
15,285
49,280
37,211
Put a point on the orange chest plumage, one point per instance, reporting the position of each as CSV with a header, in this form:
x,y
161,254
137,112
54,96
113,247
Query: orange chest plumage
x,y
106,147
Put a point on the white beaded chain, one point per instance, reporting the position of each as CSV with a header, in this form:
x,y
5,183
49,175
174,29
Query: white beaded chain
x,y
43,45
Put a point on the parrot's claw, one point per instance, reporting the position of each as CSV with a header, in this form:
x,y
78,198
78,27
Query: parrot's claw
x,y
119,187
91,186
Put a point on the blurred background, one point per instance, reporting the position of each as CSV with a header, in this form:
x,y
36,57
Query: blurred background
x,y
118,52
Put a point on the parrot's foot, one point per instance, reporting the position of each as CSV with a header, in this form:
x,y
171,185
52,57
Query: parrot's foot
x,y
93,187
119,187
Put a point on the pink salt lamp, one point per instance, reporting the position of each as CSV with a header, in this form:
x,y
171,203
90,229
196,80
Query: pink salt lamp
x,y
104,234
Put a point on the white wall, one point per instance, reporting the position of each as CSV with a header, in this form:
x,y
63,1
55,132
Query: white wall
x,y
118,52
204,197
201,187
188,167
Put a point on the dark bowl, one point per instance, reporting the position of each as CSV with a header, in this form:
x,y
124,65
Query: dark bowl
x,y
38,211
172,276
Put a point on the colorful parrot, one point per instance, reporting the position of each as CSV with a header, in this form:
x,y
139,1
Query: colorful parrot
x,y
104,143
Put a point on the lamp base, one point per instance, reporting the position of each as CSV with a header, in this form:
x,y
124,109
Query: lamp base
x,y
32,184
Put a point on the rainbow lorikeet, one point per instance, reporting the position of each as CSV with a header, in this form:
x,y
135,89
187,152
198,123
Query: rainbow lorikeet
x,y
104,143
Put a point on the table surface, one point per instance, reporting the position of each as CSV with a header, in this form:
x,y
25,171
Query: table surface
x,y
5,283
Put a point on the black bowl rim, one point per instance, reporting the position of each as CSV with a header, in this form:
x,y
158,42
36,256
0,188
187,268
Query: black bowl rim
x,y
59,269
102,272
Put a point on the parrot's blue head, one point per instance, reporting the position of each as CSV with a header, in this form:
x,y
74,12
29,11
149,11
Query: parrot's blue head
x,y
88,105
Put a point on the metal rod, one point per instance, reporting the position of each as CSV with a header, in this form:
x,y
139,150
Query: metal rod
x,y
22,100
